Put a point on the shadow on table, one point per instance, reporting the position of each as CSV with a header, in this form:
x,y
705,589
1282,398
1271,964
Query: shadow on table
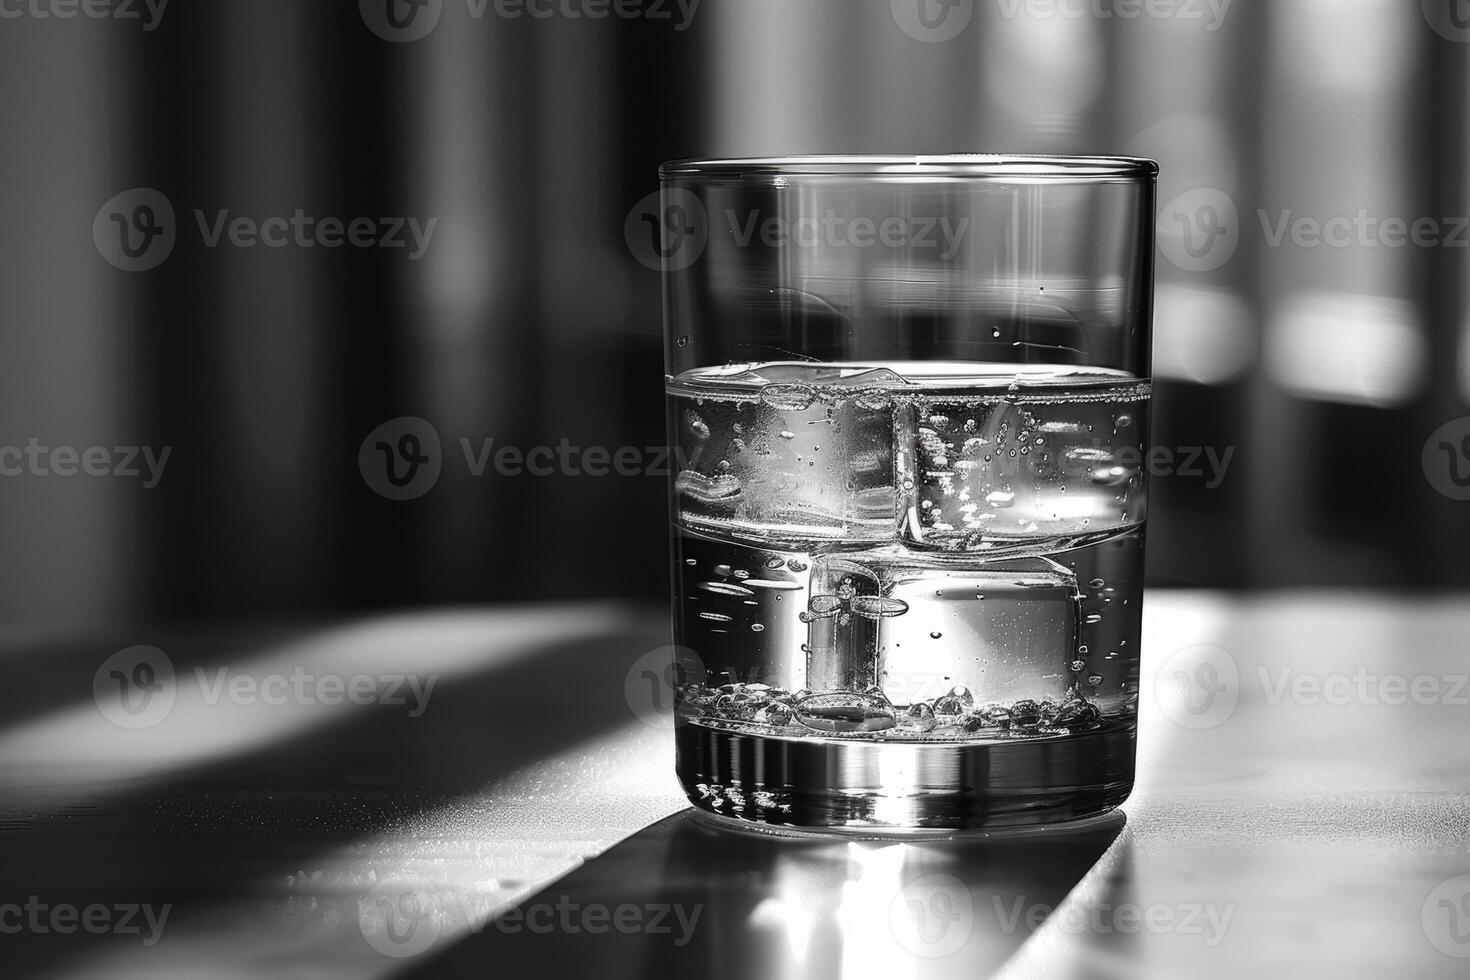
x,y
690,897
208,833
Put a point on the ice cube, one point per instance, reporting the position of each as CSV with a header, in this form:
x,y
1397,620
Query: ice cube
x,y
806,457
993,472
1004,629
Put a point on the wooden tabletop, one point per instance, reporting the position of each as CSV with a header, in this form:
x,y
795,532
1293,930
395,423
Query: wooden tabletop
x,y
468,792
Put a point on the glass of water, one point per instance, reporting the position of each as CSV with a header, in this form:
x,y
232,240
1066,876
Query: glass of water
x,y
909,400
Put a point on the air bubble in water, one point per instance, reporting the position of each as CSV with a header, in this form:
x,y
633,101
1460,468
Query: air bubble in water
x,y
918,718
726,588
948,708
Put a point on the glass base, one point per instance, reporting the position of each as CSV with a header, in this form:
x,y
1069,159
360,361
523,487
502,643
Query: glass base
x,y
892,787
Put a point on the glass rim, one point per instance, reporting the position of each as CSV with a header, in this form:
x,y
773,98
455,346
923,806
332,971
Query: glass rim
x,y
959,166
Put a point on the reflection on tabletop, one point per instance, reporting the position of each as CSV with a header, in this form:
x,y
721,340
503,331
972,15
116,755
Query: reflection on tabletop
x,y
1277,824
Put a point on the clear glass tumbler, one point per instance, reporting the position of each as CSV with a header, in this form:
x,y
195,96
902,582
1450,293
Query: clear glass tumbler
x,y
909,402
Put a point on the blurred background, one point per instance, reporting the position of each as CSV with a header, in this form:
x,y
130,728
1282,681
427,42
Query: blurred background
x,y
532,135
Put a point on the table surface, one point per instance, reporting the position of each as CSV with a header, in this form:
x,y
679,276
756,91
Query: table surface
x,y
1301,809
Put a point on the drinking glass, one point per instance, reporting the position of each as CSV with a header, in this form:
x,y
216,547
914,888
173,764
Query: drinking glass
x,y
909,404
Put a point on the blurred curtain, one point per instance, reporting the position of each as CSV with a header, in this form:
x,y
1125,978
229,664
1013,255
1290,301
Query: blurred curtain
x,y
528,321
